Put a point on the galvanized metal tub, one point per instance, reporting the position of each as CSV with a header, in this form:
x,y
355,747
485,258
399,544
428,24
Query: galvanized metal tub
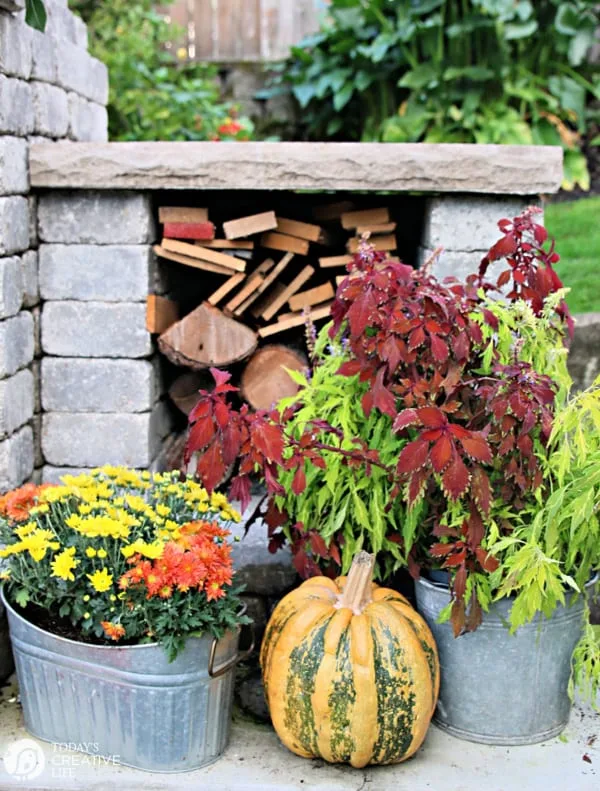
x,y
128,704
6,658
498,688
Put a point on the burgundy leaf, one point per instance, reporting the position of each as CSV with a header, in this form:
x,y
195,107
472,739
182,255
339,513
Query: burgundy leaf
x,y
318,545
210,468
503,278
240,490
232,440
299,482
477,448
416,338
432,417
382,398
202,409
220,377
439,349
455,479
504,247
222,414
408,417
268,439
413,456
441,453
200,434
360,312
481,490
349,368
416,485
460,581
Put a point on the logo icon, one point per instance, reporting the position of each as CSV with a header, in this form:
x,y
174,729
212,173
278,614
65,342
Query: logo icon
x,y
24,759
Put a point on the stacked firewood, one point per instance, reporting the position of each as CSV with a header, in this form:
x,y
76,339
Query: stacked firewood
x,y
276,271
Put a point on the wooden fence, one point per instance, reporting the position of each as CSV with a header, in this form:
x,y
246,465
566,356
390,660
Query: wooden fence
x,y
244,30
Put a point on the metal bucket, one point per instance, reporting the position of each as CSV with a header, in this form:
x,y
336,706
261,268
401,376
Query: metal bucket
x,y
127,704
6,658
498,688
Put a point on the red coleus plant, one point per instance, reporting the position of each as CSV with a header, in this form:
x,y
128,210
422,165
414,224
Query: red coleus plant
x,y
418,343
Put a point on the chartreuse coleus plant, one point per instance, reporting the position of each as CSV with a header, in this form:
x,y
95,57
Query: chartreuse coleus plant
x,y
468,387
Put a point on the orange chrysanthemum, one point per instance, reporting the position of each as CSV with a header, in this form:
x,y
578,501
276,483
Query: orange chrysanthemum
x,y
17,504
113,630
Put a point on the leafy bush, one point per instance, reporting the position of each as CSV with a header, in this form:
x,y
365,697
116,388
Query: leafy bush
x,y
153,96
475,71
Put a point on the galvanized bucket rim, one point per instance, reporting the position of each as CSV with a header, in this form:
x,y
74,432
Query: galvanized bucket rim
x,y
59,638
439,586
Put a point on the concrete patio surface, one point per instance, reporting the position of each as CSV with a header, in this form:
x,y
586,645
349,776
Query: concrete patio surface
x,y
256,761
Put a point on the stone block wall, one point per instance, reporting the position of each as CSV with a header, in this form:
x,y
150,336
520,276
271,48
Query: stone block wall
x,y
100,386
50,89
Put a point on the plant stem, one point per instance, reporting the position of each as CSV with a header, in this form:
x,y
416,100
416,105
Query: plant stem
x,y
357,592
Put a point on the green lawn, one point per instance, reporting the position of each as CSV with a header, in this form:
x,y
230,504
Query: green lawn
x,y
576,227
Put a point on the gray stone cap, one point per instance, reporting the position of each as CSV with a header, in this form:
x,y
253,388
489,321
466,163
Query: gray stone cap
x,y
398,167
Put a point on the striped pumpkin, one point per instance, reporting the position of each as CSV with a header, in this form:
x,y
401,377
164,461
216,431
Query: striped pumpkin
x,y
350,670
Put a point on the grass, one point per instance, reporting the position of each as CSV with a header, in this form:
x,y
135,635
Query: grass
x,y
576,227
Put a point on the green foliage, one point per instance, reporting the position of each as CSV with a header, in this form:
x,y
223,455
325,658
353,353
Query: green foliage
x,y
577,232
153,95
458,70
35,14
340,500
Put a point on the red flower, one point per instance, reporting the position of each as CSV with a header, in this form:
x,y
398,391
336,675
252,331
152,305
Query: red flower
x,y
113,630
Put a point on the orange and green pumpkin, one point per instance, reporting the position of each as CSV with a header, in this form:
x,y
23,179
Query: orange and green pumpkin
x,y
350,670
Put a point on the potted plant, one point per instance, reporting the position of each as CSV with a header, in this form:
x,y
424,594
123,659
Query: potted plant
x,y
122,614
475,392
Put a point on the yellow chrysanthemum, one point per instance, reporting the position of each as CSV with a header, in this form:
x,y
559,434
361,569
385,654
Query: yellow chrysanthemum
x,y
163,510
151,551
55,494
101,553
64,563
100,580
39,509
99,527
136,503
26,529
218,500
85,509
90,552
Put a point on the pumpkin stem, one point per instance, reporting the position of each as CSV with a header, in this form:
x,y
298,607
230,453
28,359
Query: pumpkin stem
x,y
357,592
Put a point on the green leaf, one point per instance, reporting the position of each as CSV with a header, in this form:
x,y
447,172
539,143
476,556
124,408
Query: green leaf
x,y
580,45
304,93
516,30
35,14
567,19
342,98
424,75
476,73
21,597
296,376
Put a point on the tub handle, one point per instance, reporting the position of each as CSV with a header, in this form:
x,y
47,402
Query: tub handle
x,y
234,660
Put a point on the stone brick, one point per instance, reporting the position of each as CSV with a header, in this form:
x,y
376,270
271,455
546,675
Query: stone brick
x,y
95,218
44,56
88,121
54,474
81,32
14,177
60,24
80,385
14,225
50,110
16,343
468,222
11,287
77,71
16,401
15,47
12,5
95,329
90,440
16,459
16,107
29,277
584,352
107,273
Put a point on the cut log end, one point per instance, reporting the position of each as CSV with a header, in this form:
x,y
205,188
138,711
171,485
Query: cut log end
x,y
265,381
207,337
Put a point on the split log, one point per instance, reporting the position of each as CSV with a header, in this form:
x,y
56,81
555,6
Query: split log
x,y
184,390
204,254
388,227
267,300
182,214
254,281
384,243
186,260
227,286
265,381
332,211
246,226
313,296
289,244
206,337
302,230
353,219
335,260
227,244
287,292
160,313
315,314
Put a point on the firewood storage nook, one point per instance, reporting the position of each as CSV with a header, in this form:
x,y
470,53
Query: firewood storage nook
x,y
159,259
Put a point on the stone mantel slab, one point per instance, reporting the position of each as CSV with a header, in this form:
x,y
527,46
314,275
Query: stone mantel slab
x,y
398,167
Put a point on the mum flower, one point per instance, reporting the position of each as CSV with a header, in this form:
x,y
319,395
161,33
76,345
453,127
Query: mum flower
x,y
113,630
64,563
100,580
